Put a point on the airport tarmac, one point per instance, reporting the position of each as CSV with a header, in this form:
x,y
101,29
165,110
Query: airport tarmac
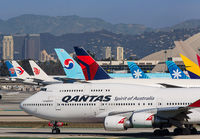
x,y
87,133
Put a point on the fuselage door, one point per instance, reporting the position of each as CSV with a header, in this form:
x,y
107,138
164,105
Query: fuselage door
x,y
159,102
57,105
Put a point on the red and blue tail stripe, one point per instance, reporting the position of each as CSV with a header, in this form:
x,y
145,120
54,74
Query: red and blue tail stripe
x,y
91,70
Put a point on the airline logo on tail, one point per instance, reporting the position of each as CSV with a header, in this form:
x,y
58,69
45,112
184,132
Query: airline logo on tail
x,y
36,70
192,68
12,70
175,71
176,74
19,70
136,72
69,63
91,69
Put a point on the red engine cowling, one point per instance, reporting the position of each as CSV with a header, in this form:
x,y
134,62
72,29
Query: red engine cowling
x,y
116,123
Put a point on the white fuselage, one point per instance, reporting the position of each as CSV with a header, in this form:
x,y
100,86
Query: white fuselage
x,y
186,83
87,102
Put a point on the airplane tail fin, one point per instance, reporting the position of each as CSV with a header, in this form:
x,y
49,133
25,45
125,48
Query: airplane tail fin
x,y
136,72
21,73
198,59
175,71
71,67
37,71
192,68
90,68
11,69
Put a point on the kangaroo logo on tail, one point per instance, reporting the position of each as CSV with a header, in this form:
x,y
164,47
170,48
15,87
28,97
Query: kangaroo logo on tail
x,y
69,63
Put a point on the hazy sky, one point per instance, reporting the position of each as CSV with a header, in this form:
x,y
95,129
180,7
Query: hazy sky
x,y
153,13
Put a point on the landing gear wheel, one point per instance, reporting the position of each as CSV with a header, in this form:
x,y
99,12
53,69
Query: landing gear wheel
x,y
156,132
178,131
159,132
55,131
193,130
182,131
165,131
186,131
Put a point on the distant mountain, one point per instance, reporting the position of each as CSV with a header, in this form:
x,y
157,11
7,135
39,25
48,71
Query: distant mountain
x,y
188,24
140,45
65,24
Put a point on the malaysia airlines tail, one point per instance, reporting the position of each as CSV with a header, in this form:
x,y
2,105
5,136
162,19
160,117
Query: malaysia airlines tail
x,y
91,70
37,71
11,69
192,68
136,72
21,73
71,67
175,71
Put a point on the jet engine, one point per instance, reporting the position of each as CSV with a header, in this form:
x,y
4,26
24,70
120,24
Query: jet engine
x,y
145,120
116,123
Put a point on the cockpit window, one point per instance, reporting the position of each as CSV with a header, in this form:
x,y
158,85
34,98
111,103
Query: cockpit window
x,y
43,89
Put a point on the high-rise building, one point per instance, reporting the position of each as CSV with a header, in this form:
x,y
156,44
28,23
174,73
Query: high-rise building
x,y
32,46
44,56
8,48
19,46
107,52
120,53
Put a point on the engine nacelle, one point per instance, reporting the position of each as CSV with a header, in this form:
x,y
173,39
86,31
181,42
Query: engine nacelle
x,y
145,120
116,123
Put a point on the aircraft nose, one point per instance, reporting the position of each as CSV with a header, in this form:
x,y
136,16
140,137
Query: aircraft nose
x,y
22,105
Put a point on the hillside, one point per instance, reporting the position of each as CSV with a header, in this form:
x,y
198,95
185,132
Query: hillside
x,y
188,24
139,45
64,24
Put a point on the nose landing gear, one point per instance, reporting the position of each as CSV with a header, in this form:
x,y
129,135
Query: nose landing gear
x,y
55,127
55,130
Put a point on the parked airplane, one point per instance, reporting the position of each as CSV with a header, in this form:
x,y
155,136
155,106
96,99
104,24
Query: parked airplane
x,y
136,72
40,76
91,70
94,73
175,71
118,106
11,69
21,73
73,70
17,73
192,68
70,66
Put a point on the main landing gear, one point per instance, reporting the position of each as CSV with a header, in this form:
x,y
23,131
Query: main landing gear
x,y
185,131
161,132
177,131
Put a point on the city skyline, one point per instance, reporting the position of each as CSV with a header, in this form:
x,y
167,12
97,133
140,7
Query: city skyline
x,y
154,13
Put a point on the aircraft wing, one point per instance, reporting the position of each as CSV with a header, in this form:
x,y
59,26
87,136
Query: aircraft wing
x,y
170,85
175,115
